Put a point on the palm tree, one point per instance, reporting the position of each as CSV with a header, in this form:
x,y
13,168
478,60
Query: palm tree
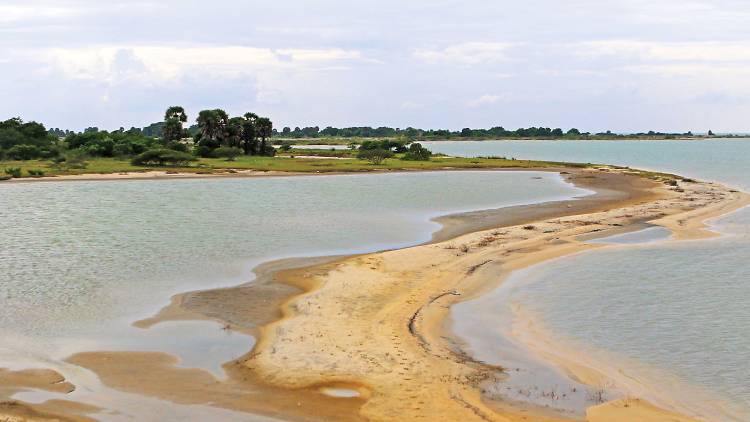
x,y
234,132
173,119
176,112
212,125
265,130
250,134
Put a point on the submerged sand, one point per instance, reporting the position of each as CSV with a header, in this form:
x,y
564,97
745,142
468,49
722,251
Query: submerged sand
x,y
375,323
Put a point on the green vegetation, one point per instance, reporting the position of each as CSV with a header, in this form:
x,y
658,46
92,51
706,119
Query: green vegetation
x,y
375,156
21,140
214,135
230,153
331,134
163,157
108,165
13,171
417,152
220,143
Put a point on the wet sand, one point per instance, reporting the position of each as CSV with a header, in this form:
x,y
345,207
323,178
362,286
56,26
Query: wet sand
x,y
375,323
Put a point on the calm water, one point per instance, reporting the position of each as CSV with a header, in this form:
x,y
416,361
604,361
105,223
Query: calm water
x,y
674,314
82,260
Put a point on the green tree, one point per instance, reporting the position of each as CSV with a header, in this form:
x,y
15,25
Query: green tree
x,y
375,156
24,152
265,130
234,129
250,134
211,129
173,130
417,152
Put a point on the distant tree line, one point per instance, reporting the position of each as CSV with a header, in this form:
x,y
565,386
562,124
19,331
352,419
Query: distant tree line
x,y
468,133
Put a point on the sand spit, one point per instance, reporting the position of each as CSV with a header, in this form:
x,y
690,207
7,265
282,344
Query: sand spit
x,y
374,324
377,320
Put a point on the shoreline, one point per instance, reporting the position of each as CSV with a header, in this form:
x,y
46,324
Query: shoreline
x,y
523,339
427,322
427,339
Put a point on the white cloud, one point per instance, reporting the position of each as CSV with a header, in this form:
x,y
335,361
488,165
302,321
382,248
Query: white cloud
x,y
10,13
713,51
163,63
484,100
471,53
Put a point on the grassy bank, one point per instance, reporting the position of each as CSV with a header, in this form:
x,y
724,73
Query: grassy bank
x,y
281,163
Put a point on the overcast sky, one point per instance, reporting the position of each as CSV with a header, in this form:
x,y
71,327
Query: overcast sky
x,y
624,65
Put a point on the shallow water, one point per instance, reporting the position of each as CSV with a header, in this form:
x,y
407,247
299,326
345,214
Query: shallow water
x,y
674,314
82,260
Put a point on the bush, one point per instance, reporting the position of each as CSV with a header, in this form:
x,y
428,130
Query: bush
x,y
269,151
286,146
417,153
375,156
75,160
35,172
24,152
13,171
230,153
385,144
162,157
203,151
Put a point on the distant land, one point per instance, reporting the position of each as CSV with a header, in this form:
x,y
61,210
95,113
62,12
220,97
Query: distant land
x,y
497,132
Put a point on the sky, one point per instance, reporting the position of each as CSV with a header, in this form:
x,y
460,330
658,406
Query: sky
x,y
621,65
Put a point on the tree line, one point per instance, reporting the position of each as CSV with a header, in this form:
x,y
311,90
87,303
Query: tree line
x,y
465,133
215,134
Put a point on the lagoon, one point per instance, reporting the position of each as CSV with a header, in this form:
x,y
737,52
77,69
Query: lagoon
x,y
672,314
83,260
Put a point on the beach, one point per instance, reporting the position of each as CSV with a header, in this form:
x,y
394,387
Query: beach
x,y
375,326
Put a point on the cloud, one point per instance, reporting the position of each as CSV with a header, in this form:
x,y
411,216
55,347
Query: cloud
x,y
465,54
165,63
14,13
484,100
711,51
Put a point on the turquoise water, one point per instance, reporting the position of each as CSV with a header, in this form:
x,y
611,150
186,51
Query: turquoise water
x,y
672,313
82,260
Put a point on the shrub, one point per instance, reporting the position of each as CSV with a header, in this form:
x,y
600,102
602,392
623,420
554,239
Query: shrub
x,y
203,151
75,160
162,157
35,172
24,152
13,171
269,151
417,152
385,144
286,146
230,153
375,156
